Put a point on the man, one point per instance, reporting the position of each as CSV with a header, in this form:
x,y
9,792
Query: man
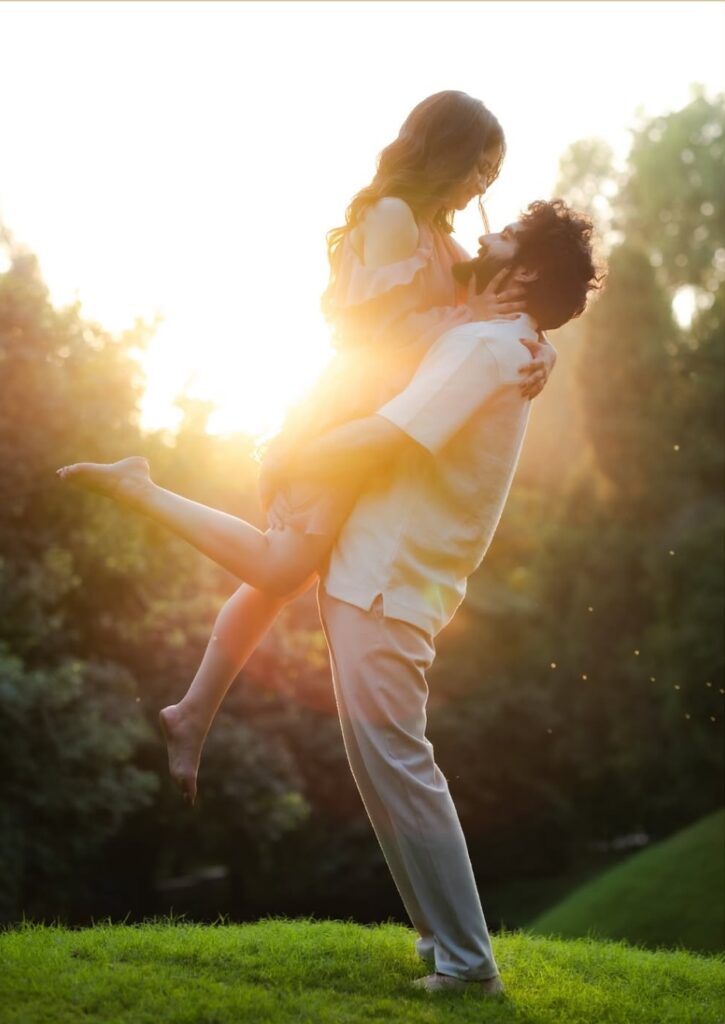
x,y
439,459
448,445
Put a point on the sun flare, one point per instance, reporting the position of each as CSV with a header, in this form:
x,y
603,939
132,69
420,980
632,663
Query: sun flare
x,y
204,193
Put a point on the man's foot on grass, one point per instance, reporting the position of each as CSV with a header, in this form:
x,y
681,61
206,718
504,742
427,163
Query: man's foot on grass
x,y
446,983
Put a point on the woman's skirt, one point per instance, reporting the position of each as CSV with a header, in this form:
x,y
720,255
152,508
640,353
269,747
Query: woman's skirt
x,y
312,508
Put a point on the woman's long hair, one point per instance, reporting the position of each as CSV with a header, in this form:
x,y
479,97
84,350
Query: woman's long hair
x,y
437,147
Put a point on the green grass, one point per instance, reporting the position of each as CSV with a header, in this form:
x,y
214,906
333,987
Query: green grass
x,y
301,970
672,894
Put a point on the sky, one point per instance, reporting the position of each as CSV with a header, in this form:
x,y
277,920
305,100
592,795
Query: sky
x,y
185,159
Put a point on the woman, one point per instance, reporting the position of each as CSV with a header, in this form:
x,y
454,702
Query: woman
x,y
391,295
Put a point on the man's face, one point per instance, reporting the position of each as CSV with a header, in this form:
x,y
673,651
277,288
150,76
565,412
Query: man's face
x,y
502,246
496,251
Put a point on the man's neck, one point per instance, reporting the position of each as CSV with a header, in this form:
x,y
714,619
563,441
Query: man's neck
x,y
527,318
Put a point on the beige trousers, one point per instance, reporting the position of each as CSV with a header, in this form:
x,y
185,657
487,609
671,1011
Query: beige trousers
x,y
378,672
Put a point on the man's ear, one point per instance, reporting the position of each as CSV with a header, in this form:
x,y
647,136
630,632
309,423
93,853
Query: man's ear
x,y
524,276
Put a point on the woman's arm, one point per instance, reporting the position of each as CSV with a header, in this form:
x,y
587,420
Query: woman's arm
x,y
539,369
388,233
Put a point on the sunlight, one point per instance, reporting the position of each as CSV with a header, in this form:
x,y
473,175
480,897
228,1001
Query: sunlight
x,y
684,305
203,195
260,363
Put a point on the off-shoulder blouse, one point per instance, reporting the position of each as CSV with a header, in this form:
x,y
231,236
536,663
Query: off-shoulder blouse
x,y
384,320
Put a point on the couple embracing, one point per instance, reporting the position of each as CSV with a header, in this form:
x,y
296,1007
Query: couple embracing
x,y
385,487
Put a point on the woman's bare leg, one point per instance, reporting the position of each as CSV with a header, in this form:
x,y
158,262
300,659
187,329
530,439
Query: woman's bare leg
x,y
279,565
238,630
277,561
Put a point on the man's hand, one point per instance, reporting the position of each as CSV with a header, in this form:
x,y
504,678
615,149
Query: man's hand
x,y
538,370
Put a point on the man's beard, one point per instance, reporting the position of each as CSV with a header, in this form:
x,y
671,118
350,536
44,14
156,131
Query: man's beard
x,y
485,266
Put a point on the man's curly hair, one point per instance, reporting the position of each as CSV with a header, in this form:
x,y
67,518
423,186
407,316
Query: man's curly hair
x,y
556,242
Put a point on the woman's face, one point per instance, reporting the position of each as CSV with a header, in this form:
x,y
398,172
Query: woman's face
x,y
476,182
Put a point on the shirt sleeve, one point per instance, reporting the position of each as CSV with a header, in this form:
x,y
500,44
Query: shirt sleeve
x,y
460,372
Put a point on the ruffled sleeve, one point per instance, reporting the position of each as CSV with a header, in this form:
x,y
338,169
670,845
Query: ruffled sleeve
x,y
411,301
356,284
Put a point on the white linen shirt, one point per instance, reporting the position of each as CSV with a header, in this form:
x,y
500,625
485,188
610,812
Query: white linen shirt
x,y
421,527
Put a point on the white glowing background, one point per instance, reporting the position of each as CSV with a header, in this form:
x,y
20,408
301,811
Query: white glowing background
x,y
188,158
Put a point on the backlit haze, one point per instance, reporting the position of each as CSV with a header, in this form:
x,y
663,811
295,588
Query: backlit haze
x,y
186,159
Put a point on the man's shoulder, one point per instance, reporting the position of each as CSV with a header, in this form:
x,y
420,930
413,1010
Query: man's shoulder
x,y
521,326
501,339
493,330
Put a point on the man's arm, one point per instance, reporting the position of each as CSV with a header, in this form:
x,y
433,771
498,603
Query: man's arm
x,y
350,452
353,449
458,374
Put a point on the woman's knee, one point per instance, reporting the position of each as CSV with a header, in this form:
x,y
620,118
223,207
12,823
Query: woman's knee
x,y
280,583
303,587
292,562
285,584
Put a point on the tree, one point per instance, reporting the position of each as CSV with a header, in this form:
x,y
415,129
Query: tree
x,y
103,617
649,546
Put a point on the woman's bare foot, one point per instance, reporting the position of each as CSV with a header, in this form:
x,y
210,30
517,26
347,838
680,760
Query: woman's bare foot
x,y
184,737
125,480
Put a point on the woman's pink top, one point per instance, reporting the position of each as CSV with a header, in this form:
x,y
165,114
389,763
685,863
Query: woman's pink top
x,y
384,320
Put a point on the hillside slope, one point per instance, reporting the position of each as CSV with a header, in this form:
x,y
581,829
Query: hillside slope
x,y
669,895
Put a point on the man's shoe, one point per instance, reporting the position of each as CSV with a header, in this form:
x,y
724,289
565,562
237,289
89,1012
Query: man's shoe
x,y
445,983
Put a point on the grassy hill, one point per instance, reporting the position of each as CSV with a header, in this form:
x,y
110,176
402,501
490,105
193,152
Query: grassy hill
x,y
671,894
281,970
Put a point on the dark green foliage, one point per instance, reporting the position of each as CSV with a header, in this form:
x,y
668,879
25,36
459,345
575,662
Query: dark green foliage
x,y
650,544
67,775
